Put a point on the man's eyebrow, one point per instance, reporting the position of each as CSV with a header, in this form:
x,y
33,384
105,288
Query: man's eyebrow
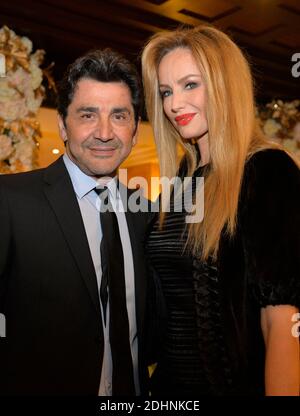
x,y
87,109
120,110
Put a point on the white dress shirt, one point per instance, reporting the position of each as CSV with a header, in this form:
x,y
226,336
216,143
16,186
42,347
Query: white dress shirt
x,y
89,204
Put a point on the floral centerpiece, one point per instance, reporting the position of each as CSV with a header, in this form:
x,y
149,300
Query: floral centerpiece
x,y
281,122
21,95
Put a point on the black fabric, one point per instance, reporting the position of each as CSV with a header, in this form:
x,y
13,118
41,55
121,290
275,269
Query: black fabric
x,y
48,288
213,343
114,284
186,357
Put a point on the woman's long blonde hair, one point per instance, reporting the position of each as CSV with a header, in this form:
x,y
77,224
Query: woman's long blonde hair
x,y
233,131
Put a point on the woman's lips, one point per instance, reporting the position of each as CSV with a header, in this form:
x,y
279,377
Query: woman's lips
x,y
184,119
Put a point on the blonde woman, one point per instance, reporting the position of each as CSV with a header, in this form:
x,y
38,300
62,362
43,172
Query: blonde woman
x,y
231,281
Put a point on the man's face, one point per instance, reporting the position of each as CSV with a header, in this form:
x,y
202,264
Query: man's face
x,y
99,129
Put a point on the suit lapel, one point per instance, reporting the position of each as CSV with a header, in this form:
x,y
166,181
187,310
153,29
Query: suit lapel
x,y
61,196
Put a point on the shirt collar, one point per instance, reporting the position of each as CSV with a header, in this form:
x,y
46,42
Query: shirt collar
x,y
111,184
83,183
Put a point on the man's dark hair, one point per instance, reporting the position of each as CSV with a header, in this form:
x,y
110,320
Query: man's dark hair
x,y
104,65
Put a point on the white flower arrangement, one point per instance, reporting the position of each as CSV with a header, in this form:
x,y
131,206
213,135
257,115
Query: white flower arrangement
x,y
280,121
21,95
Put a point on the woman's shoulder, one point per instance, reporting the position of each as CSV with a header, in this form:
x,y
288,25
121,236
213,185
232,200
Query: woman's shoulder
x,y
271,180
270,158
269,224
272,165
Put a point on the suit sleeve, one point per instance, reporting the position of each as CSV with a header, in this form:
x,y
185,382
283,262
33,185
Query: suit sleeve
x,y
270,228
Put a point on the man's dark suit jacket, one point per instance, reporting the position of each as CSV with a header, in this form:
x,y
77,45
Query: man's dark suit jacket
x,y
48,288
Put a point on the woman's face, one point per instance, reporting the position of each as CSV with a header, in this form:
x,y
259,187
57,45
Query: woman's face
x,y
183,93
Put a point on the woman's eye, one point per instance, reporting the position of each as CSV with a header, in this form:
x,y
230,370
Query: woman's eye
x,y
165,93
191,85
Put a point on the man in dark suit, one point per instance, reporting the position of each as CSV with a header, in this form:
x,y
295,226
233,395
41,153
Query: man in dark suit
x,y
57,339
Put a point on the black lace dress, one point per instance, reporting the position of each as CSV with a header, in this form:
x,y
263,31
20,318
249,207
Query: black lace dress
x,y
212,343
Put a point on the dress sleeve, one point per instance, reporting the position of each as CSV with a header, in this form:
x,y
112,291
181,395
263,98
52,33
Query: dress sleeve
x,y
270,228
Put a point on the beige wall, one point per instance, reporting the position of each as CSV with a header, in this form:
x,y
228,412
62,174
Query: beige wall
x,y
50,137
